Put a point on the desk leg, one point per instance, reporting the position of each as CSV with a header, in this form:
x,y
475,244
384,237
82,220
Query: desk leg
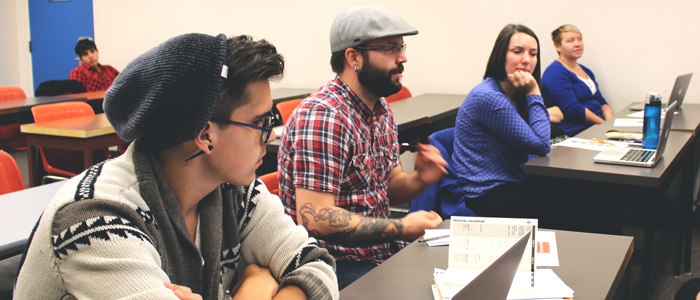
x,y
686,204
31,164
87,159
649,227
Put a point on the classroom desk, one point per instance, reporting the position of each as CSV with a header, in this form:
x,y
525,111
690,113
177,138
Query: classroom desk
x,y
595,266
82,134
687,119
19,110
95,99
417,116
632,185
284,94
20,212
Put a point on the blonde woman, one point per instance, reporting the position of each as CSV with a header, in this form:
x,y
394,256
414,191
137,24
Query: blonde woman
x,y
571,86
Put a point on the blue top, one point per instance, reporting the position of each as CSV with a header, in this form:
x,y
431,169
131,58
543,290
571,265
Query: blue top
x,y
493,142
563,88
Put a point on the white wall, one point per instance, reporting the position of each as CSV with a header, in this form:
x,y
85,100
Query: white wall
x,y
633,46
15,61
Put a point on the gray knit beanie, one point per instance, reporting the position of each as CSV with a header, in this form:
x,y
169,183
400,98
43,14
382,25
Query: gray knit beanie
x,y
166,95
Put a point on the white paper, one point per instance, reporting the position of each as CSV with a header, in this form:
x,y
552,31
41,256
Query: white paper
x,y
433,233
278,130
547,254
442,241
547,284
637,114
590,144
625,122
475,242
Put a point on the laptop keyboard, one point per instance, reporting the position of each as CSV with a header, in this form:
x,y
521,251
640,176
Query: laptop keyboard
x,y
638,155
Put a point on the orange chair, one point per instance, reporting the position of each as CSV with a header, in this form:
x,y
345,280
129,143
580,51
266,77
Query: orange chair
x,y
402,94
270,180
10,135
61,162
287,107
10,177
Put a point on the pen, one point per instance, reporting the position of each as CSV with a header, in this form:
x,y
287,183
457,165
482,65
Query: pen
x,y
410,147
434,238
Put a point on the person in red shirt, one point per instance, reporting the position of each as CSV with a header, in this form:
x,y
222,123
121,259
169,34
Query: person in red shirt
x,y
93,75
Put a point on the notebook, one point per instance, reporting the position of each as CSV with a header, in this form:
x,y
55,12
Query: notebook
x,y
493,283
639,157
677,95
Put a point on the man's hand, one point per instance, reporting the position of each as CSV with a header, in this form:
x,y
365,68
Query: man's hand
x,y
417,222
183,292
525,82
430,165
257,283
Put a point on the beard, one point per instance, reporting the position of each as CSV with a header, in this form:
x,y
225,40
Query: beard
x,y
379,81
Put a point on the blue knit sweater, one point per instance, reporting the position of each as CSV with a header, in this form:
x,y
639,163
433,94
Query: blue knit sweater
x,y
493,142
563,88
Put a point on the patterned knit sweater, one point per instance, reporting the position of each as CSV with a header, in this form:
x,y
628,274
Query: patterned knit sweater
x,y
117,232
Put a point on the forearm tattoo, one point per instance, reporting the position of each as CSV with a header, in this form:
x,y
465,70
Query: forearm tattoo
x,y
368,231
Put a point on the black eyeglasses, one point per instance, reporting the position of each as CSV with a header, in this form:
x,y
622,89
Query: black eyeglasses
x,y
393,48
266,128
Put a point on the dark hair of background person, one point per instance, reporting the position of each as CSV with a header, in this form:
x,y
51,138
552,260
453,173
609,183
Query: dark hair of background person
x,y
84,45
248,61
496,66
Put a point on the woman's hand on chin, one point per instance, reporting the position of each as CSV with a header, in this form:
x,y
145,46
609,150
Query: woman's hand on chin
x,y
525,82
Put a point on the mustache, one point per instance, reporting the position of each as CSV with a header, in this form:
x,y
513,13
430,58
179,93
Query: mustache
x,y
399,69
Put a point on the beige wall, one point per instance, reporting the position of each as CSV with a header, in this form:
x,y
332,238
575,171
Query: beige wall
x,y
15,62
633,46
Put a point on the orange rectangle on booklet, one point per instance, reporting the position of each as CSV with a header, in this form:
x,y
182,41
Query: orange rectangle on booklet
x,y
542,247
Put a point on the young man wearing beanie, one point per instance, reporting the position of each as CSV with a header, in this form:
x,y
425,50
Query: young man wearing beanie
x,y
93,75
182,206
339,163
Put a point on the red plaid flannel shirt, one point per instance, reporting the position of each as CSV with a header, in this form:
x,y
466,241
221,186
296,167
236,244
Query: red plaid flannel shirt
x,y
93,80
334,143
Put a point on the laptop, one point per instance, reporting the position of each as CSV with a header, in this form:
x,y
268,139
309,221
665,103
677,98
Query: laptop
x,y
639,157
677,95
493,283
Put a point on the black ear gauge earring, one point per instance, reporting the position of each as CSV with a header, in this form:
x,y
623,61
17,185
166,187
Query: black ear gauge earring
x,y
199,153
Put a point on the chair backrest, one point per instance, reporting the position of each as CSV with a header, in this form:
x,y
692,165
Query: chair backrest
x,y
59,87
10,177
286,108
11,93
444,138
61,110
402,94
270,181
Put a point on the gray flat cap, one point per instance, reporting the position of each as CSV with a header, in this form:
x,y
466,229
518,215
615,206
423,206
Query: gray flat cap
x,y
360,24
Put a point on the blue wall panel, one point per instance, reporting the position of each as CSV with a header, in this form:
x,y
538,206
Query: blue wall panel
x,y
55,27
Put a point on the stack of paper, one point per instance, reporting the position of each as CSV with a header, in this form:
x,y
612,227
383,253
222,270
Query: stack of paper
x,y
478,244
547,284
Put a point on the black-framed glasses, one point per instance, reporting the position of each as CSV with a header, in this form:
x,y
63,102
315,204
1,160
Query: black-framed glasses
x,y
266,128
393,49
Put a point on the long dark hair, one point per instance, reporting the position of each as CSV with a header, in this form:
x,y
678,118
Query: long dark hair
x,y
496,66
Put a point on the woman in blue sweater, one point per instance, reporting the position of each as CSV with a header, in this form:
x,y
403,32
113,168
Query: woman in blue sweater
x,y
501,125
572,86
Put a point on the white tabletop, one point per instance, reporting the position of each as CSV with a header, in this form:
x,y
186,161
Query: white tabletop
x,y
19,212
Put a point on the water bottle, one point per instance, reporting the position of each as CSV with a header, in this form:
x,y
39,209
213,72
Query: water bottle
x,y
652,121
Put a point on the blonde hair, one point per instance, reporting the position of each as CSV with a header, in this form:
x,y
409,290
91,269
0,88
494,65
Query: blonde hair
x,y
556,34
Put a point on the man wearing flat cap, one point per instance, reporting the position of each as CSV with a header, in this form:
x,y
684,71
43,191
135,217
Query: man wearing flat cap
x,y
339,165
181,211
